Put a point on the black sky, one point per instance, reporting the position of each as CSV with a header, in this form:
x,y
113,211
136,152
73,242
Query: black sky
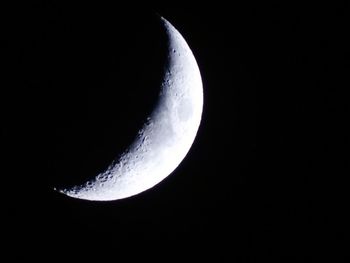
x,y
266,176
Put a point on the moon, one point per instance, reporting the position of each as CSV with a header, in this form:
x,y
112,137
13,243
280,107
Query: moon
x,y
165,137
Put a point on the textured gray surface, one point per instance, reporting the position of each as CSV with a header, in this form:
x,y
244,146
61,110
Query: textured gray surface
x,y
165,138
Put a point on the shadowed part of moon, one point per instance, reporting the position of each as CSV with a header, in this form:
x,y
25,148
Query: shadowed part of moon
x,y
98,86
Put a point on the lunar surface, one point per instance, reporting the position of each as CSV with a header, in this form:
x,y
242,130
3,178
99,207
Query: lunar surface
x,y
166,136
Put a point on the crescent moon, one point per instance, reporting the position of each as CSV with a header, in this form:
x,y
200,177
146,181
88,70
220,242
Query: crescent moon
x,y
166,136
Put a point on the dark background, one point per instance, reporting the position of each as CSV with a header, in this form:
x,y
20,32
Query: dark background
x,y
266,176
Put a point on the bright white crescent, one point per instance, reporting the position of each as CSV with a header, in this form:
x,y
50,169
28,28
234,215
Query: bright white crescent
x,y
165,138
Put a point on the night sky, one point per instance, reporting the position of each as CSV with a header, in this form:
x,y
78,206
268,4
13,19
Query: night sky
x,y
266,176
